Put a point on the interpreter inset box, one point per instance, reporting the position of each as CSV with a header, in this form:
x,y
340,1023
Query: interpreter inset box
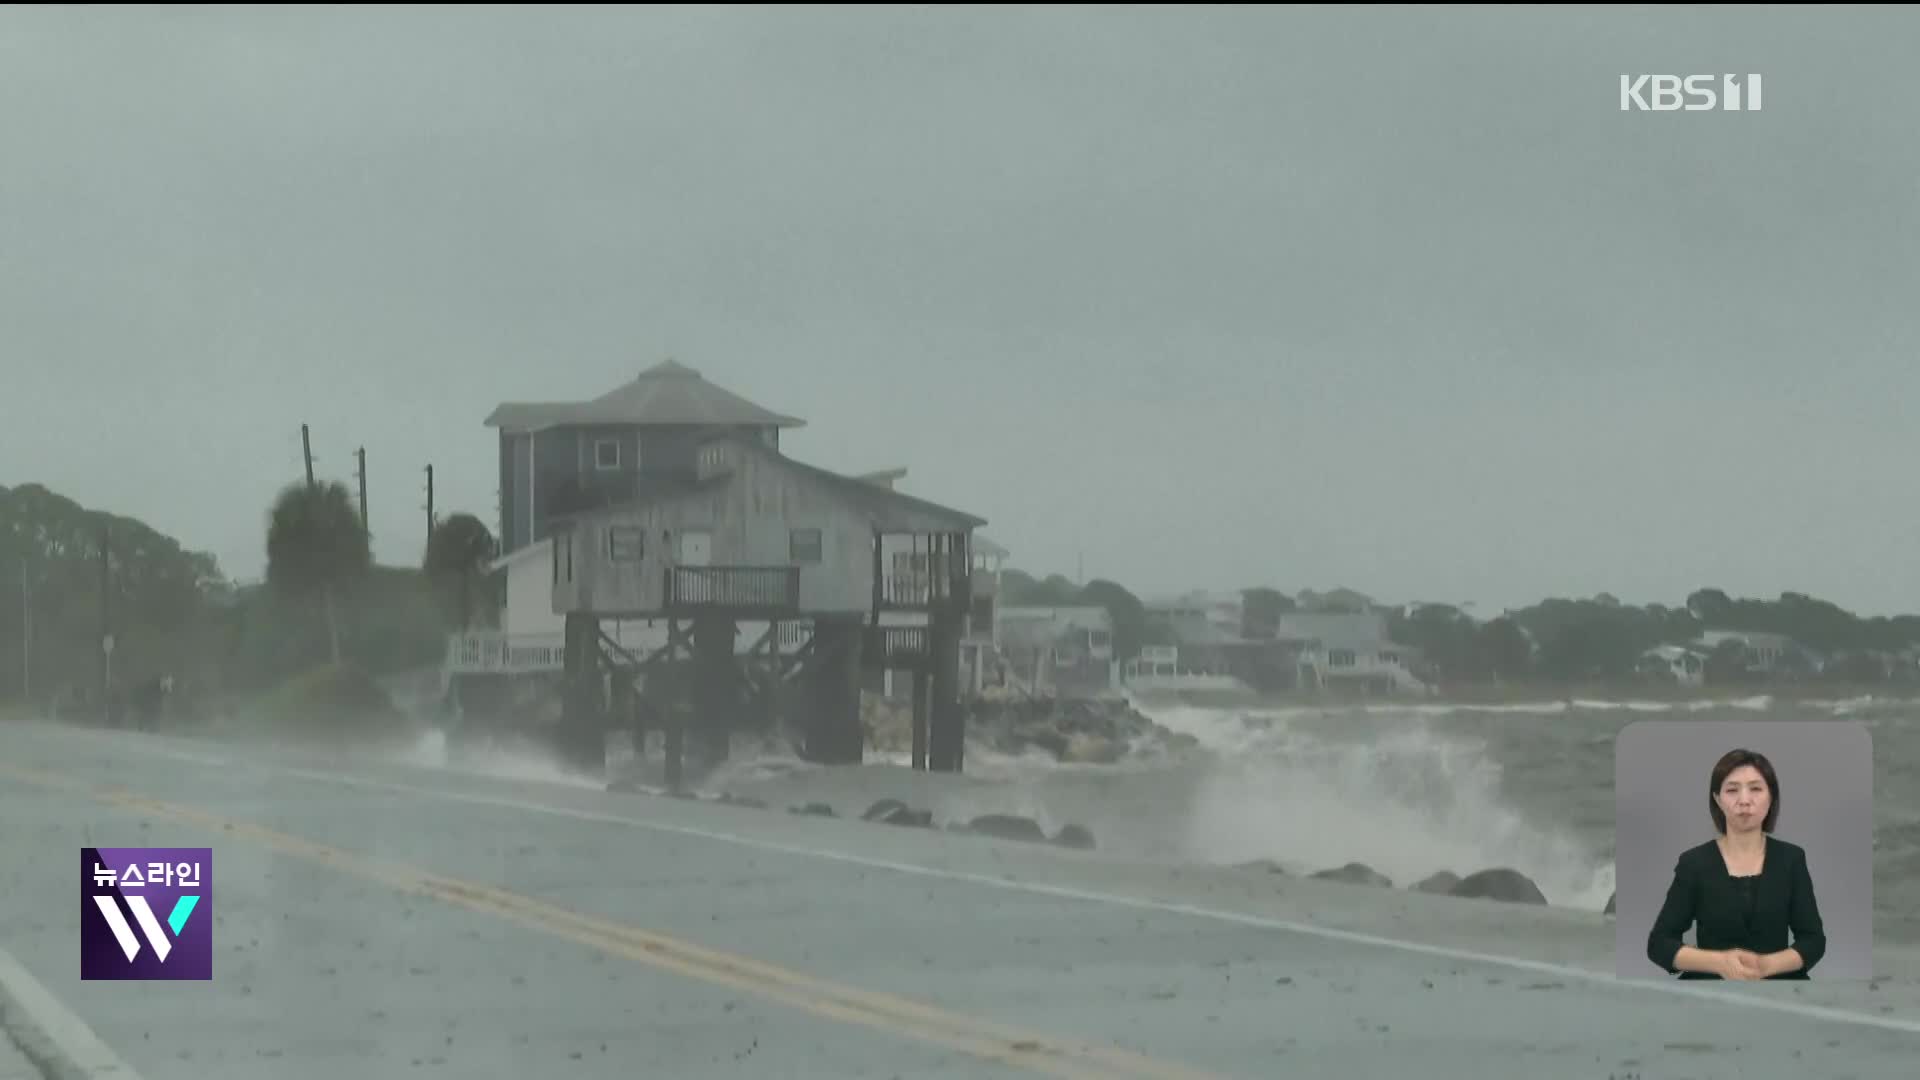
x,y
1743,850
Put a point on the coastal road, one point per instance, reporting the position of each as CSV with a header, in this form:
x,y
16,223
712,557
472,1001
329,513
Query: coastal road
x,y
377,919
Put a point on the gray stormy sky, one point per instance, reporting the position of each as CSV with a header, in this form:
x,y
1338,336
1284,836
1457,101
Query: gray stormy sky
x,y
1396,299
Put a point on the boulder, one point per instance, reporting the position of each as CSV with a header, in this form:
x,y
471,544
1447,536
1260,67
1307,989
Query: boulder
x,y
1441,883
1007,827
1356,874
1082,731
1262,866
1508,885
895,812
1074,836
812,809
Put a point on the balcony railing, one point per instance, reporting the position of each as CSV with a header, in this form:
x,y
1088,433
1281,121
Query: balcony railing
x,y
763,589
494,653
919,591
887,645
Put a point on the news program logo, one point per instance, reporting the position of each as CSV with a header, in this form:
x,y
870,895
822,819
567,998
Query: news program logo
x,y
146,913
1689,93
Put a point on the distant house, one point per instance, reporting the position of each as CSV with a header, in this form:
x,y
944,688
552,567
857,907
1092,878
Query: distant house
x,y
1763,653
1351,652
980,645
1172,668
1057,649
1204,655
1678,664
1221,610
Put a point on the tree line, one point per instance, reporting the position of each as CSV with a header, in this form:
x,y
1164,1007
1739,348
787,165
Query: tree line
x,y
1557,640
70,576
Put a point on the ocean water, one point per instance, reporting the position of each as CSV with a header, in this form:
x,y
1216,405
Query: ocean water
x,y
1406,789
1414,789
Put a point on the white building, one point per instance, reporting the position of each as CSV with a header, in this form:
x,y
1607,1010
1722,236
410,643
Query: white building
x,y
1350,651
1686,667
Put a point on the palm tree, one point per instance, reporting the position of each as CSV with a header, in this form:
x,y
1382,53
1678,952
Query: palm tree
x,y
316,545
458,554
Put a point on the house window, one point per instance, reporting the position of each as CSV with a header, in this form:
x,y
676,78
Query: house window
x,y
803,545
606,454
1390,657
625,543
1340,658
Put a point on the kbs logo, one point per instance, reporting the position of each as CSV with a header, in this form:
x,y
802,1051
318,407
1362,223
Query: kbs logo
x,y
1689,93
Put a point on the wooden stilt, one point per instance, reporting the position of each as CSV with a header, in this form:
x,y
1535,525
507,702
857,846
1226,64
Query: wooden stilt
x,y
922,695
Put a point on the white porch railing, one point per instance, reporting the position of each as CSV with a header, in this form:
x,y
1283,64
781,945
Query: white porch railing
x,y
491,652
494,653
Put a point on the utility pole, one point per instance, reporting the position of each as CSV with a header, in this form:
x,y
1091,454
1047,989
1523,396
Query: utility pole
x,y
106,622
360,455
306,451
430,518
26,630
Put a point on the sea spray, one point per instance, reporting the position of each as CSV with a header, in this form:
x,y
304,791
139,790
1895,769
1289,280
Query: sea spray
x,y
1309,789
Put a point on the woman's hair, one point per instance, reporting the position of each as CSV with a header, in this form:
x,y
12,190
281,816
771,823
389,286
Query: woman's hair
x,y
1734,759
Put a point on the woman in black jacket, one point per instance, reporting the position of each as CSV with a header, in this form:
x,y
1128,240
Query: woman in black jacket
x,y
1745,889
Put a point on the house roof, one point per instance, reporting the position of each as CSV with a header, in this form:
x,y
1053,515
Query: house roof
x,y
1672,652
883,478
1751,638
875,500
984,546
881,504
1028,627
1334,630
668,393
521,554
1200,630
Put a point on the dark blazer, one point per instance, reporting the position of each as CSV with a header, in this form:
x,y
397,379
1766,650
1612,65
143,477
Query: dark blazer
x,y
1753,913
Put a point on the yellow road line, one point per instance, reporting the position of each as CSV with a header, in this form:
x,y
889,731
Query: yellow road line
x,y
882,1011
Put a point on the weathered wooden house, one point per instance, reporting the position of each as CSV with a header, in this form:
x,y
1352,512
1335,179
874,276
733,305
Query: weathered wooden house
x,y
668,503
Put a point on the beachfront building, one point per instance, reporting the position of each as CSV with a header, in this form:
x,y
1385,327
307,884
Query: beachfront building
x,y
690,569
1204,648
1223,611
1351,653
1063,651
1761,654
1674,664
